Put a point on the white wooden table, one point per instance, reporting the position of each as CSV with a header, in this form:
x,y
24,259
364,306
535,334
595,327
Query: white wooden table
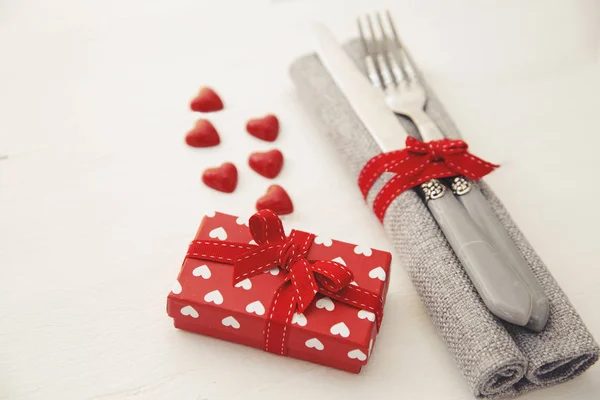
x,y
99,195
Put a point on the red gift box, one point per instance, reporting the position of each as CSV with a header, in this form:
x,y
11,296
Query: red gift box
x,y
259,304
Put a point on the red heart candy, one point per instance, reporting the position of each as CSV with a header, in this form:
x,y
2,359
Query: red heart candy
x,y
265,128
268,164
223,178
207,100
276,199
203,134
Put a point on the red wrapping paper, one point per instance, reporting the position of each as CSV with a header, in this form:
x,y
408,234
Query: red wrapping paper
x,y
204,300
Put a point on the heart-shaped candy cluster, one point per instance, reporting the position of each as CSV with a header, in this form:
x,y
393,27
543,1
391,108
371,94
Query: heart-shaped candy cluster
x,y
224,178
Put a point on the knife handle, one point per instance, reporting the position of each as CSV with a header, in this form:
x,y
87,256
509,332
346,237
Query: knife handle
x,y
500,288
469,195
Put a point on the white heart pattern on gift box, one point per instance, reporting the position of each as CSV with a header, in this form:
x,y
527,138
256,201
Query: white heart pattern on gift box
x,y
176,289
377,273
272,271
202,271
299,319
211,214
314,343
252,242
214,297
325,303
364,314
189,311
364,250
230,321
357,354
246,284
218,233
353,283
241,221
340,329
339,260
324,241
255,307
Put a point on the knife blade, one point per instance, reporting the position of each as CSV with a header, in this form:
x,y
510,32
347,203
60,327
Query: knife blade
x,y
364,99
502,291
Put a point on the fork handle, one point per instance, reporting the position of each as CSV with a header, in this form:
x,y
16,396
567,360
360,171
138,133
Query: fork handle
x,y
500,288
426,126
470,196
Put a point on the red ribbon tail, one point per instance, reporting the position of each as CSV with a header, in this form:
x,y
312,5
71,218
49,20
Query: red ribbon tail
x,y
470,166
216,250
361,299
278,320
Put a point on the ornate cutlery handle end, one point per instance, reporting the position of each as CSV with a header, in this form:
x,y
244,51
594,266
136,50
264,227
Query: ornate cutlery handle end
x,y
461,185
433,189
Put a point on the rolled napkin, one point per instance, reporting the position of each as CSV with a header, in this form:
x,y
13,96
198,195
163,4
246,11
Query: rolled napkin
x,y
496,358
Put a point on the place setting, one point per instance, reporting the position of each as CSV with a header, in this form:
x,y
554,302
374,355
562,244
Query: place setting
x,y
502,316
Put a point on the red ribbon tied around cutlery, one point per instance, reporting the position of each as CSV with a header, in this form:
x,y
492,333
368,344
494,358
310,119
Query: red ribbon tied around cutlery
x,y
305,278
419,162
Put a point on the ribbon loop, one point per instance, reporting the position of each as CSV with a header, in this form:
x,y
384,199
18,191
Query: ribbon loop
x,y
415,146
332,275
266,227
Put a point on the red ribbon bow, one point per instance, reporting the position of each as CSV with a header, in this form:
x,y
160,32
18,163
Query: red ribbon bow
x,y
304,278
419,162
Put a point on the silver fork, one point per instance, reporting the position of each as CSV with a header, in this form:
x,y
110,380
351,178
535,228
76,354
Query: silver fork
x,y
391,70
404,93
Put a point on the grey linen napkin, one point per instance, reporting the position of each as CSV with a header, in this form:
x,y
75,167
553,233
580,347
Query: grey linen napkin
x,y
496,358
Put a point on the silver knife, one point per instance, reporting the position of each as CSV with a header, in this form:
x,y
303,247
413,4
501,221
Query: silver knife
x,y
501,289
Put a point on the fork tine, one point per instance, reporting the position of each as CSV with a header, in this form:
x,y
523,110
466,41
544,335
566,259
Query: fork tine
x,y
405,62
384,37
362,36
373,36
393,27
380,58
376,51
397,74
372,70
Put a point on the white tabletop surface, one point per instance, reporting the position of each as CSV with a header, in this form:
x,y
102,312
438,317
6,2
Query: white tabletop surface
x,y
99,195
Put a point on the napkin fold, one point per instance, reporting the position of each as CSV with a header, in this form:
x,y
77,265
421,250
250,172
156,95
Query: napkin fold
x,y
497,359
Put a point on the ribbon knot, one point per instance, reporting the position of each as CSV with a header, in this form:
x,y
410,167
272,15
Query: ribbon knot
x,y
436,152
290,253
304,279
418,163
